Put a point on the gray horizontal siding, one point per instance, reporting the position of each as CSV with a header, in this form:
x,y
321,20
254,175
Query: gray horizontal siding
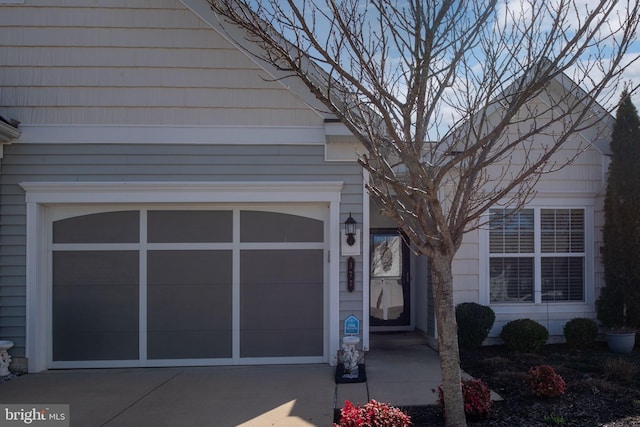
x,y
143,16
114,162
134,62
111,76
119,4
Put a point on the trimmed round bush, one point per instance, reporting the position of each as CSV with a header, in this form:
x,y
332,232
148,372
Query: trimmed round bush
x,y
524,335
474,323
580,332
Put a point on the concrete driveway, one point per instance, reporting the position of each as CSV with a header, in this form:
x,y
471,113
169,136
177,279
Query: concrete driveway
x,y
401,373
291,395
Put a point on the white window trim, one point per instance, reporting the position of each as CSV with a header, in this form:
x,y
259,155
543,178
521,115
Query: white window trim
x,y
41,195
538,306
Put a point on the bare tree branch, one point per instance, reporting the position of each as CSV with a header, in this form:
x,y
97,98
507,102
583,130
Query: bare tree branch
x,y
451,100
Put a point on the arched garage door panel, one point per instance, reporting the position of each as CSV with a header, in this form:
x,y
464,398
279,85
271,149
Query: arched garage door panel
x,y
107,227
259,226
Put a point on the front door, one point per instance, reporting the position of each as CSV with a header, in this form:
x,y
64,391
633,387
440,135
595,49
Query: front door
x,y
390,296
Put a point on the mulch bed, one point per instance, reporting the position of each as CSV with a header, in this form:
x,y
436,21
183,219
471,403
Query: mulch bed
x,y
595,395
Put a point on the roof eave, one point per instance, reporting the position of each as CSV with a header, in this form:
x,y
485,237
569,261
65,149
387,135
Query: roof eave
x,y
8,133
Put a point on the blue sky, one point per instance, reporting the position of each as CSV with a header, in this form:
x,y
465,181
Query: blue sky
x,y
522,9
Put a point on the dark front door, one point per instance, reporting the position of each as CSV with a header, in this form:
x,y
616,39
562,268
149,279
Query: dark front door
x,y
389,293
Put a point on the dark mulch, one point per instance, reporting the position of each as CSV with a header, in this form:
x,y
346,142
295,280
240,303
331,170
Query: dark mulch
x,y
595,396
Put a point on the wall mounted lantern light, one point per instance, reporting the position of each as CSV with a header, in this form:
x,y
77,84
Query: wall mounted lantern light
x,y
350,230
350,237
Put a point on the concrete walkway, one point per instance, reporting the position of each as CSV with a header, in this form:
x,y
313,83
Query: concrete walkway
x,y
280,395
401,376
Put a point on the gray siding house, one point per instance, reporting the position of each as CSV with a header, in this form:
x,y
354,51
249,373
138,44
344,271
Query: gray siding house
x,y
167,200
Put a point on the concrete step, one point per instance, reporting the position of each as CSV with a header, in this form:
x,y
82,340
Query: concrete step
x,y
386,340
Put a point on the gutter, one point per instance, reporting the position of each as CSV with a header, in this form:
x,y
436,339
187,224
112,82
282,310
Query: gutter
x,y
8,133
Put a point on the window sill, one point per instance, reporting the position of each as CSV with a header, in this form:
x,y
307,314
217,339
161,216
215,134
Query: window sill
x,y
525,308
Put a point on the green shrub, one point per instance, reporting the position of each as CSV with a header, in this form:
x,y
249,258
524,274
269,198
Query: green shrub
x,y
524,335
474,323
619,303
580,332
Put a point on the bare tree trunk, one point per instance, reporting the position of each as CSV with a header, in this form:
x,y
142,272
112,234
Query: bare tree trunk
x,y
448,340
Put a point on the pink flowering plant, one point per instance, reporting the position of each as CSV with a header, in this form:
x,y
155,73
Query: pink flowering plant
x,y
477,398
545,382
373,414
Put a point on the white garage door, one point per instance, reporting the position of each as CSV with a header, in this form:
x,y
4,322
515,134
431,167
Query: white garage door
x,y
166,286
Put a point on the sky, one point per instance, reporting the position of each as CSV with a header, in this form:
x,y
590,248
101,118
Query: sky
x,y
518,9
632,74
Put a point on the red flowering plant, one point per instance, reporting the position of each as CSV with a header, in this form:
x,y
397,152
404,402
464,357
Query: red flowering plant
x,y
477,398
373,414
545,382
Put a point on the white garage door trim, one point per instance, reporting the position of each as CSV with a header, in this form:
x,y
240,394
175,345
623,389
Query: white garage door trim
x,y
40,196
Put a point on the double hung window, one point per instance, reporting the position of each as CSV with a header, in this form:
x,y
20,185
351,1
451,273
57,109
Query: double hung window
x,y
537,255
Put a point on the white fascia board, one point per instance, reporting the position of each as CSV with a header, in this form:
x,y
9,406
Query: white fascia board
x,y
160,134
181,192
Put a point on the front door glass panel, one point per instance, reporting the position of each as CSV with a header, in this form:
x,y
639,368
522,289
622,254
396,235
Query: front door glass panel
x,y
389,291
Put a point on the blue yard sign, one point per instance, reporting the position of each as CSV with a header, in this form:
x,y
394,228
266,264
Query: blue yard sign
x,y
352,325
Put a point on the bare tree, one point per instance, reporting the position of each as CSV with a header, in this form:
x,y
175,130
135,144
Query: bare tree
x,y
443,95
